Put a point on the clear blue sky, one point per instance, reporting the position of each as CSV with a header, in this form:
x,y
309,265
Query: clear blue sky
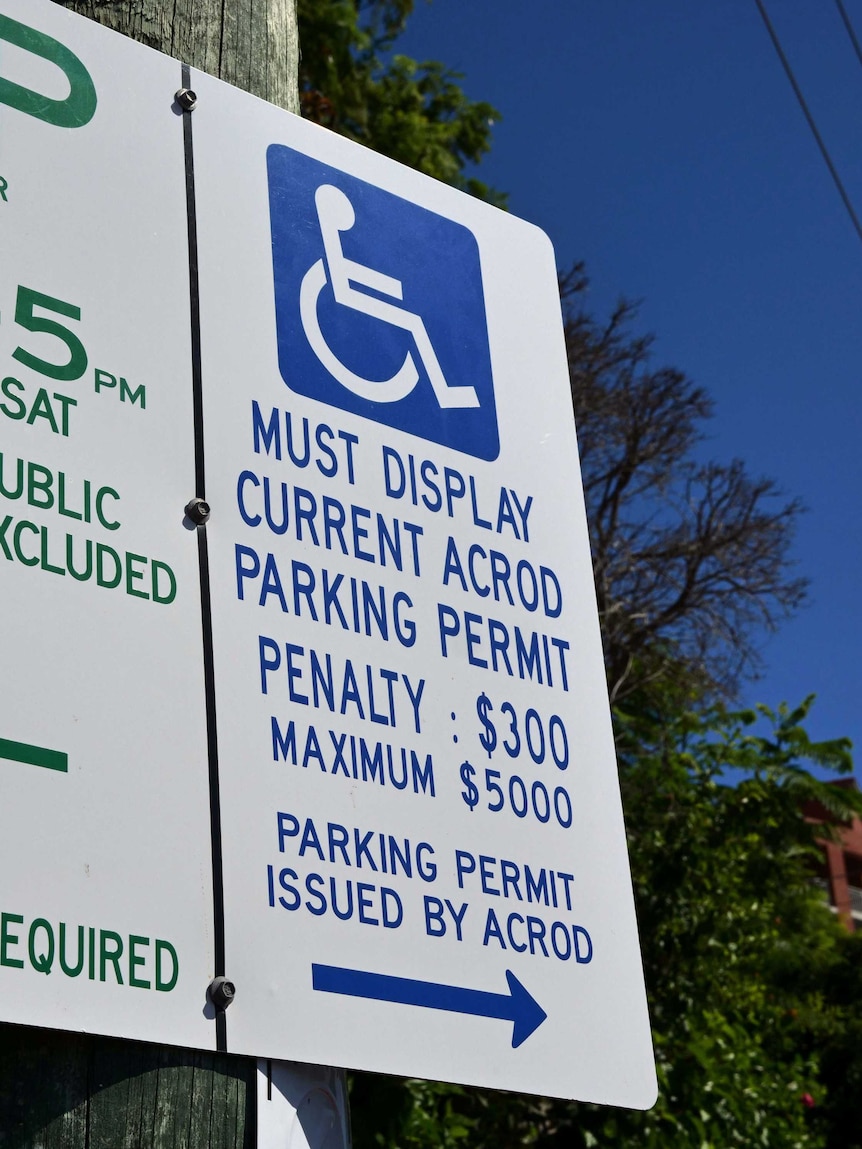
x,y
662,143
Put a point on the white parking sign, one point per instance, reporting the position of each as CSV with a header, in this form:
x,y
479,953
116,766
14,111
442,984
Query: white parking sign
x,y
341,735
425,865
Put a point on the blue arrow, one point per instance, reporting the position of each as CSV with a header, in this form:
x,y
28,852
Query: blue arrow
x,y
517,1005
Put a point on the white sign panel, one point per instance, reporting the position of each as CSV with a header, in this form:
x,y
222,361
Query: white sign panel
x,y
106,903
424,852
410,778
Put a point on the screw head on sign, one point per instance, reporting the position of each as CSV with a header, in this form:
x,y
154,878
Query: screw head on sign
x,y
198,510
221,992
187,99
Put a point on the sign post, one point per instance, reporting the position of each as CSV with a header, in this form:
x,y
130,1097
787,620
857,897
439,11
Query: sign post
x,y
346,743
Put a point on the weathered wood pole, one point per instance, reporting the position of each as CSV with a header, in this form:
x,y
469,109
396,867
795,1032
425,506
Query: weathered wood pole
x,y
252,44
70,1091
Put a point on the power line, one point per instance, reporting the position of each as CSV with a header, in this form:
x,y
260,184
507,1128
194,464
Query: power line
x,y
827,159
850,32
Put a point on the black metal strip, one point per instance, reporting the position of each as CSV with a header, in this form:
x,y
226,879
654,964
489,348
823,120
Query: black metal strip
x,y
194,296
203,560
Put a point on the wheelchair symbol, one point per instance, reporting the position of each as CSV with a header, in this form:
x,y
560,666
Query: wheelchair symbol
x,y
335,214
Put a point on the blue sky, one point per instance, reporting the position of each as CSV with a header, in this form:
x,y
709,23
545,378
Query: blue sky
x,y
663,144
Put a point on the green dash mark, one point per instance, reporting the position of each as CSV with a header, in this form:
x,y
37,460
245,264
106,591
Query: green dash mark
x,y
34,755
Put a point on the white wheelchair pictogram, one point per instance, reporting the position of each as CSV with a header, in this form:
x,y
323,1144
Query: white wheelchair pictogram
x,y
335,214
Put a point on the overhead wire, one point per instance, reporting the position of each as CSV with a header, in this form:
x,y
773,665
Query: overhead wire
x,y
824,151
850,30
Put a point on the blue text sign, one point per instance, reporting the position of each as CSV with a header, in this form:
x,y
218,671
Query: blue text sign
x,y
424,853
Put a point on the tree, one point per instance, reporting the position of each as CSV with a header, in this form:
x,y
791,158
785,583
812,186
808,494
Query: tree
x,y
738,945
691,559
837,1028
417,113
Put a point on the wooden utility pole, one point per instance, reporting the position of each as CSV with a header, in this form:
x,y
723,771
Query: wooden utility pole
x,y
252,44
72,1091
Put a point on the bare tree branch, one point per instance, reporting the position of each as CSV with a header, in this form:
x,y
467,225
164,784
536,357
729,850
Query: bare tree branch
x,y
691,561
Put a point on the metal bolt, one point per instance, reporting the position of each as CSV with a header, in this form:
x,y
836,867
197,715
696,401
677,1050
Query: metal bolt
x,y
198,510
187,99
221,992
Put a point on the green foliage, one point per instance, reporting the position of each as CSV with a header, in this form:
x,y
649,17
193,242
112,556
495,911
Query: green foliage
x,y
837,1027
752,983
386,1111
737,942
416,113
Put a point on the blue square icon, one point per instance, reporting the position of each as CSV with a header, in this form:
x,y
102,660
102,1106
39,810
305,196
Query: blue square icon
x,y
379,306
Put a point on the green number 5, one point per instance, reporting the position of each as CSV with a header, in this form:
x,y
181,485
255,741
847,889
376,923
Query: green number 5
x,y
25,317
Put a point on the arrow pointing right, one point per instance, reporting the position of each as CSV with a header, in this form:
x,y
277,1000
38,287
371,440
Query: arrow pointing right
x,y
517,1006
